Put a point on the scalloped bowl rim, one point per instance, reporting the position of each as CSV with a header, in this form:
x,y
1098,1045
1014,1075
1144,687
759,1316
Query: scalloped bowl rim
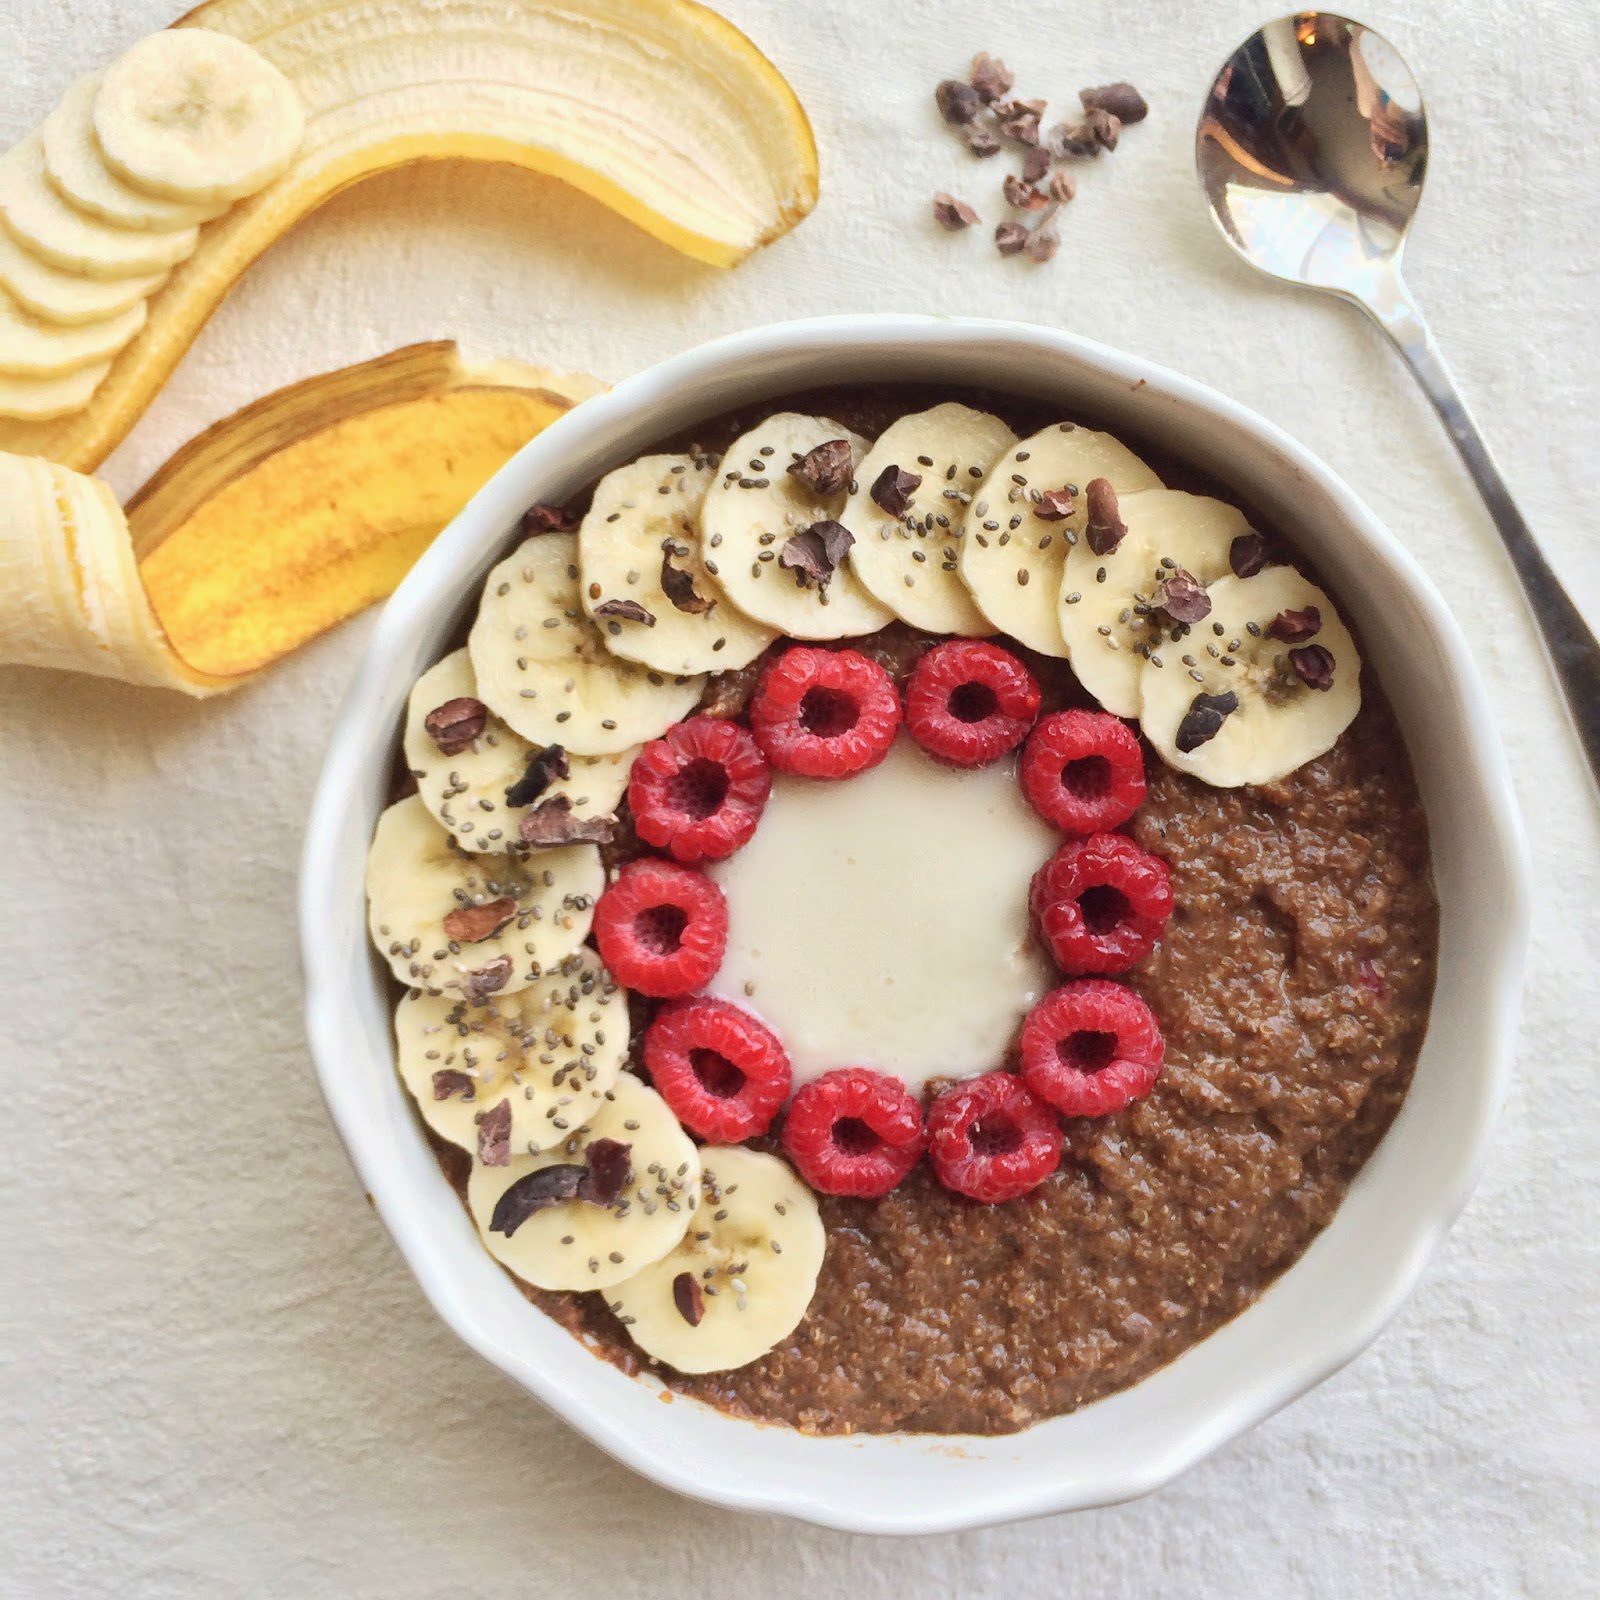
x,y
1318,1315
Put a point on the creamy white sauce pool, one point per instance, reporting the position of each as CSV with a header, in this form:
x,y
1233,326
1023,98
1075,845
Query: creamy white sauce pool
x,y
882,921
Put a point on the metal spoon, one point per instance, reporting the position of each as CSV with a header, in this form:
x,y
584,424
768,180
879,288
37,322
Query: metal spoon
x,y
1311,149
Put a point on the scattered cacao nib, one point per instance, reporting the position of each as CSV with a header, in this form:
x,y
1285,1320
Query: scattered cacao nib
x,y
488,979
543,768
1071,139
813,555
608,1172
981,139
1021,195
1122,100
1104,529
1062,188
1313,665
552,822
1182,596
729,693
626,611
1056,505
1203,720
892,490
454,725
474,924
1020,121
448,1081
1035,163
951,214
686,1296
547,519
1247,555
678,586
958,102
825,469
1010,238
1042,244
1103,128
990,76
494,1135
534,1191
1295,627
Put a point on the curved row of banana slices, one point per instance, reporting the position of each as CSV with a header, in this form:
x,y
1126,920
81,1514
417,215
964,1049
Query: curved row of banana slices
x,y
99,205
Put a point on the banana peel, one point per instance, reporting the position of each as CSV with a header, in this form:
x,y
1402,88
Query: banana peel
x,y
265,530
660,109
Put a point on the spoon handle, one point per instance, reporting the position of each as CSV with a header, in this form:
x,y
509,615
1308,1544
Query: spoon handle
x,y
1569,642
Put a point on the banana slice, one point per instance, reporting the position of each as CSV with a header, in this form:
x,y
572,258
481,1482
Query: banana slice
x,y
1267,682
464,785
197,116
44,223
543,667
1011,557
39,399
31,348
1111,606
550,1217
67,298
78,173
743,1275
909,560
641,534
753,510
550,1051
454,923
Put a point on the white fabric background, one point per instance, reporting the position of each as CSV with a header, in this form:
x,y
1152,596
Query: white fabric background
x,y
220,1379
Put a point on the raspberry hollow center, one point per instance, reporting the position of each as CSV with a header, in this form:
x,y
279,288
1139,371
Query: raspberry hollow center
x,y
717,1074
973,702
1103,907
1088,1050
994,1136
660,928
827,713
1089,777
854,1137
699,789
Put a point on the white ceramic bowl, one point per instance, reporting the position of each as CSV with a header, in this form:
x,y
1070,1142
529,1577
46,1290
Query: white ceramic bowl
x,y
1313,1319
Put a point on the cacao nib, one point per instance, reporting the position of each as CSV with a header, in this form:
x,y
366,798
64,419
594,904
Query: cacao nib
x,y
952,215
990,76
1203,721
1035,163
488,979
543,768
1010,238
825,468
1247,555
981,139
1313,665
813,555
1062,188
1181,595
448,1081
534,1191
1104,528
626,611
1042,244
1021,195
552,822
1071,139
1295,627
958,102
474,924
1021,124
547,519
1122,100
678,586
494,1135
686,1296
1103,129
893,488
454,725
608,1172
1056,505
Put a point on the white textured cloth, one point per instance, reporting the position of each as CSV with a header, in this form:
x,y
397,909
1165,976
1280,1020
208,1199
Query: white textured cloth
x,y
219,1378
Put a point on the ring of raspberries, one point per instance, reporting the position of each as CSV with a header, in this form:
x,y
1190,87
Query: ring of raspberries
x,y
1099,905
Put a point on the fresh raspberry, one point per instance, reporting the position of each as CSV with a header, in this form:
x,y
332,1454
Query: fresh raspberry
x,y
825,713
852,1131
661,928
699,790
1100,903
969,702
990,1139
1083,771
1090,1048
723,1073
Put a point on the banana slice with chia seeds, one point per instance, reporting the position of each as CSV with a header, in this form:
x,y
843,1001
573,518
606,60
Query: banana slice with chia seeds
x,y
77,171
770,530
471,768
1267,682
908,543
32,348
741,1278
643,577
197,116
452,922
1021,524
1116,606
41,221
543,667
68,298
550,1051
606,1201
